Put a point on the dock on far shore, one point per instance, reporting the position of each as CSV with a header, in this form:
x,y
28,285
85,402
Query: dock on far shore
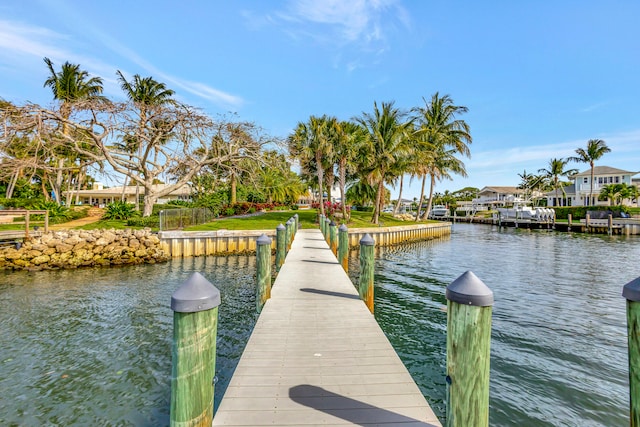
x,y
317,355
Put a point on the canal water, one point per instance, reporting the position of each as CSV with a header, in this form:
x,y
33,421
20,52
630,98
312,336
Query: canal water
x,y
93,346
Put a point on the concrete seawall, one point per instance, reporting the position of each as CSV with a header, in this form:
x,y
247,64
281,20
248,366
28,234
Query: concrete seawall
x,y
224,242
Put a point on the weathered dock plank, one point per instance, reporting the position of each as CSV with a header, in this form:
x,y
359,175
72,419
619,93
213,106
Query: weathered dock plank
x,y
318,357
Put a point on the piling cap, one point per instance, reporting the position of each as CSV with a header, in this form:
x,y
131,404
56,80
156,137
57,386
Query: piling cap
x,y
631,290
469,290
263,240
280,227
194,295
343,228
367,240
333,224
296,216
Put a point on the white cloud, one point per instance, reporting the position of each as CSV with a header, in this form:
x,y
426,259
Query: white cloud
x,y
31,42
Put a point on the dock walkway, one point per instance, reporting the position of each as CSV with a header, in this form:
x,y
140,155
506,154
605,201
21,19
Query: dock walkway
x,y
318,357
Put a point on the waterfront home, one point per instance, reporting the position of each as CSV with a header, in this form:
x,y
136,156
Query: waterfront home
x,y
98,195
577,194
490,197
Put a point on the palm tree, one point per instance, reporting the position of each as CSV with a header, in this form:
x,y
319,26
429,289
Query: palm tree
x,y
442,136
554,172
145,93
70,85
616,193
311,144
349,138
596,148
385,143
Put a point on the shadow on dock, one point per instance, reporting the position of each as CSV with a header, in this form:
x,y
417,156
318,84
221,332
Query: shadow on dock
x,y
348,409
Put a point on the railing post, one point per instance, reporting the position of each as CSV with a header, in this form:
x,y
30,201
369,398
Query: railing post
x,y
281,247
333,238
195,323
296,218
469,310
631,291
367,262
343,247
263,267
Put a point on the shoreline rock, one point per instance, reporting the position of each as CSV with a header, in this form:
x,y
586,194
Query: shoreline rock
x,y
84,248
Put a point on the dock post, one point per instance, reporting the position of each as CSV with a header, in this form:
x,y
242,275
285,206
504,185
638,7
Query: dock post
x,y
610,224
321,223
587,219
631,291
288,231
195,323
327,229
343,247
333,237
469,310
569,218
263,267
367,260
296,218
281,247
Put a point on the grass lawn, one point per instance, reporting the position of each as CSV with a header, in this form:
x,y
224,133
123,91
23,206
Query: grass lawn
x,y
307,219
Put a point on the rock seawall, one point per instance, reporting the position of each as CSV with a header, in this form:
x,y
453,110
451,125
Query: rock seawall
x,y
83,248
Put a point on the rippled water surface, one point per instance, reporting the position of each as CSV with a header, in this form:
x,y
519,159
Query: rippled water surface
x,y
93,346
558,350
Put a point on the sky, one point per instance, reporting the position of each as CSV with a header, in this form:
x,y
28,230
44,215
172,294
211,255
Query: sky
x,y
539,78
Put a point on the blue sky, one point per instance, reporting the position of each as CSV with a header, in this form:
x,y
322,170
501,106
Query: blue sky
x,y
539,78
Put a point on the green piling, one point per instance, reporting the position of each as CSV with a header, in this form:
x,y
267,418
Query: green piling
x,y
343,247
195,323
296,218
289,238
631,291
281,246
333,237
469,309
263,267
321,223
367,260
327,230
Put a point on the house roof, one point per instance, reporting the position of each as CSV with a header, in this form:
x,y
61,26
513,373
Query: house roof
x,y
501,190
569,190
605,170
185,190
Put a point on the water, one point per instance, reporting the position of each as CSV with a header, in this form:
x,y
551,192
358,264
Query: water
x,y
93,346
558,350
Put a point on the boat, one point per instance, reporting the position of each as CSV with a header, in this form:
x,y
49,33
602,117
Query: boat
x,y
439,210
520,211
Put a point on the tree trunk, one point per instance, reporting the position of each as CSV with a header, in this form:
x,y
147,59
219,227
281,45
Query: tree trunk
x,y
424,182
343,183
376,207
433,184
149,200
234,185
320,173
397,208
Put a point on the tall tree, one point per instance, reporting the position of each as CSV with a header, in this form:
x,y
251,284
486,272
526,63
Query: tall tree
x,y
596,148
442,136
554,172
70,86
145,93
349,138
386,141
311,144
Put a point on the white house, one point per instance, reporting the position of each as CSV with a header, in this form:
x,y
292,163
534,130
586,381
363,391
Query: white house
x,y
497,196
98,195
577,194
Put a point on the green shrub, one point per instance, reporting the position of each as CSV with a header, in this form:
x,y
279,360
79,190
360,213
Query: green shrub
x,y
152,221
229,211
580,212
294,207
119,210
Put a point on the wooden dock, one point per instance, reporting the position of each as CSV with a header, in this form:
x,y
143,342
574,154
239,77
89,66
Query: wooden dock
x,y
318,357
